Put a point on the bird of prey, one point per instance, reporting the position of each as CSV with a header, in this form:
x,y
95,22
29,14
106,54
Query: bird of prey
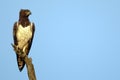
x,y
23,33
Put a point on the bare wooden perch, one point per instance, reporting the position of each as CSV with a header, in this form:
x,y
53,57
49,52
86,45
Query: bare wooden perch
x,y
28,62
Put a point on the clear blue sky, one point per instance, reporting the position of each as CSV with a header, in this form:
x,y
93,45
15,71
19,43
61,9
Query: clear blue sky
x,y
74,39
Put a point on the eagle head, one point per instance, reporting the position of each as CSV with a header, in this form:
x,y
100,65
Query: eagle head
x,y
24,13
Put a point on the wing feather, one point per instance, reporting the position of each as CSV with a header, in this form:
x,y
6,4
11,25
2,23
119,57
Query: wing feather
x,y
15,29
30,41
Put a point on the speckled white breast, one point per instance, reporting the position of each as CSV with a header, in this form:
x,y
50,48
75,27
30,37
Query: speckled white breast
x,y
24,34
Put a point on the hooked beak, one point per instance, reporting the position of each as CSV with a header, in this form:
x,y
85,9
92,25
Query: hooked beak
x,y
29,13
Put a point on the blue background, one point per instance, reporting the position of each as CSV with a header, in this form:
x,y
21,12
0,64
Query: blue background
x,y
74,39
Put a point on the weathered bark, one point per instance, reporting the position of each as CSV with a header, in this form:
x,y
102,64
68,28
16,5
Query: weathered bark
x,y
28,62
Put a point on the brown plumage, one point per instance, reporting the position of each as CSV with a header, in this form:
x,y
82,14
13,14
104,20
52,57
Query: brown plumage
x,y
23,32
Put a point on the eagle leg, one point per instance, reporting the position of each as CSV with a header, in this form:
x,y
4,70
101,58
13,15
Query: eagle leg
x,y
18,51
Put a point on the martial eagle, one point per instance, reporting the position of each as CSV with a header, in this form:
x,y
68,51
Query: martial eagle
x,y
23,33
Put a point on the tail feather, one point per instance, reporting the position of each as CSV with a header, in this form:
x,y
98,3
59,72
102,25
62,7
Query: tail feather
x,y
20,63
